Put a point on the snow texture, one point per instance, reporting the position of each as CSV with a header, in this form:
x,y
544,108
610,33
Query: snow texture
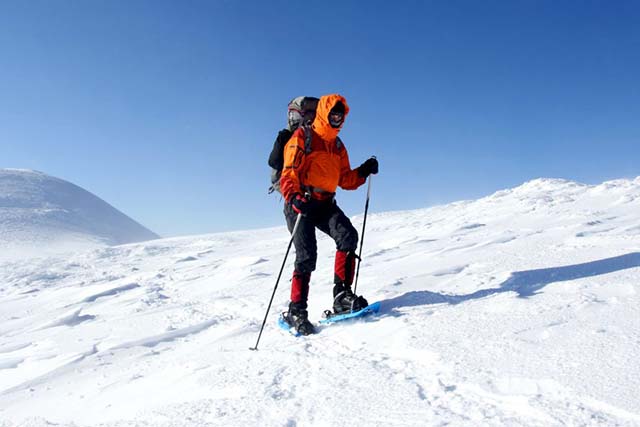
x,y
41,215
518,309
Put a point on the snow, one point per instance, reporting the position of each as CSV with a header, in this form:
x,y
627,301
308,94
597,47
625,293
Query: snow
x,y
520,309
41,215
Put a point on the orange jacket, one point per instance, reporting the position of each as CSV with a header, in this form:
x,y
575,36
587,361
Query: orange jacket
x,y
327,165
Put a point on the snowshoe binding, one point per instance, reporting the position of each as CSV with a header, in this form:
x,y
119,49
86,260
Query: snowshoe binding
x,y
298,319
345,301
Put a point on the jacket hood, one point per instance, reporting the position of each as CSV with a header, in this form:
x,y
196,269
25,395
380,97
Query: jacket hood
x,y
321,123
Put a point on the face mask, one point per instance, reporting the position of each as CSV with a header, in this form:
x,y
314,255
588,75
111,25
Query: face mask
x,y
336,119
294,118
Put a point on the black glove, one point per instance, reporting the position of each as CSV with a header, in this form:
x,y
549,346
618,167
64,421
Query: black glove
x,y
299,203
369,167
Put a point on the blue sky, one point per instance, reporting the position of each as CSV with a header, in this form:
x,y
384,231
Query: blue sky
x,y
168,109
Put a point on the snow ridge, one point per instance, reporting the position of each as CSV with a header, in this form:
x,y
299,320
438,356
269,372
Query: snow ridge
x,y
40,214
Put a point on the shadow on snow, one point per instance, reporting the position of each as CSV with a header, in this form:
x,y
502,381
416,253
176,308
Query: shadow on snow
x,y
524,283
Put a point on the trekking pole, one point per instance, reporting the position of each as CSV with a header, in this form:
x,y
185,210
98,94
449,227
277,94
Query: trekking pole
x,y
293,233
364,224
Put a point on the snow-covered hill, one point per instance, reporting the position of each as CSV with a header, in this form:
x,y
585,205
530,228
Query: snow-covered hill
x,y
40,215
518,309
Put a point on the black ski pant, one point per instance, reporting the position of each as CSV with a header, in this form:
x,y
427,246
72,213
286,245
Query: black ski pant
x,y
328,218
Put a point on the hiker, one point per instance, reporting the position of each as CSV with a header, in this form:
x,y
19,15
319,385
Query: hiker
x,y
300,112
315,164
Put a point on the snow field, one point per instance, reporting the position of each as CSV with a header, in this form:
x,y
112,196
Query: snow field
x,y
518,309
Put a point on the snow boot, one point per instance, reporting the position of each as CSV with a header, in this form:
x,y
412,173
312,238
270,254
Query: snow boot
x,y
345,301
297,318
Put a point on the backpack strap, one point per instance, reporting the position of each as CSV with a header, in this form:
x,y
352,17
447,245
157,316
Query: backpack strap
x,y
308,137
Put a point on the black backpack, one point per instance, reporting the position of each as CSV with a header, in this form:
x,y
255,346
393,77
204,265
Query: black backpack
x,y
298,114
